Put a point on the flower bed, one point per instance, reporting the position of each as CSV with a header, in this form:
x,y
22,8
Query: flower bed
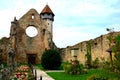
x,y
23,68
22,73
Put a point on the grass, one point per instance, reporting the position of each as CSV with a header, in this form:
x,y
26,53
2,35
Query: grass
x,y
63,76
60,68
39,66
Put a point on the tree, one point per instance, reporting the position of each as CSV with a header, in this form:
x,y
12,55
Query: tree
x,y
51,59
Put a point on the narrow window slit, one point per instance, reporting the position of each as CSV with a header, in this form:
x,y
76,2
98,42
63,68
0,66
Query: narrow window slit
x,y
33,16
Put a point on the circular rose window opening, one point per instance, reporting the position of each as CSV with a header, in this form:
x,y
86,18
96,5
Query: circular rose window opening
x,y
31,31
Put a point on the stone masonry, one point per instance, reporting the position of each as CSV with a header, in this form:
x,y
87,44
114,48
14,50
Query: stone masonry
x,y
30,49
99,47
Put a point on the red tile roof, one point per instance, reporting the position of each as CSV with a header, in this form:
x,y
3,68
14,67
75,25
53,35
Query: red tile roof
x,y
47,10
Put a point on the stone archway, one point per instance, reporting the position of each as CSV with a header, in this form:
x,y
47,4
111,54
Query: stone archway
x,y
31,58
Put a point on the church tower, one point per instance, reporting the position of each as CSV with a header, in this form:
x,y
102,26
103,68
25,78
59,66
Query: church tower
x,y
48,16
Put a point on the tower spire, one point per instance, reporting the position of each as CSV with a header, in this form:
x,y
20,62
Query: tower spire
x,y
47,9
47,13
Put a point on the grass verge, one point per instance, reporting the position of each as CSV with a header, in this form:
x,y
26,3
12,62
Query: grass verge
x,y
63,76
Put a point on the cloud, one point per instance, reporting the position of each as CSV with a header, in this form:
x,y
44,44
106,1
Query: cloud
x,y
64,36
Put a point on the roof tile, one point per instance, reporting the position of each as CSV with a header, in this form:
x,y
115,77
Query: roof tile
x,y
47,10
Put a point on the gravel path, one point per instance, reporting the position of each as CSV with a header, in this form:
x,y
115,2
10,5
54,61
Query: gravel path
x,y
43,74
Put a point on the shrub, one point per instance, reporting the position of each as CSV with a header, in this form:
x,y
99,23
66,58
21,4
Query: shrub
x,y
51,59
62,65
67,68
73,68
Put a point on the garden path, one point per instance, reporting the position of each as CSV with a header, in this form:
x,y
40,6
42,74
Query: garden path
x,y
43,74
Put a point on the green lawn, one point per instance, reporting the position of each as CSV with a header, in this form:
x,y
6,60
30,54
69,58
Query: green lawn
x,y
39,66
63,76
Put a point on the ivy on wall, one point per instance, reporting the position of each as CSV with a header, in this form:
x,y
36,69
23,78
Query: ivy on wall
x,y
88,54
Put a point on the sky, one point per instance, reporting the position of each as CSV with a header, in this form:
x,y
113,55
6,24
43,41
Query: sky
x,y
75,20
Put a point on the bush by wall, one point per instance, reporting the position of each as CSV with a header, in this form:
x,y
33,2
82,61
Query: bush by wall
x,y
74,68
51,59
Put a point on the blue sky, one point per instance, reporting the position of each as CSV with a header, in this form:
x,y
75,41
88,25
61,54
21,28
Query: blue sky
x,y
75,20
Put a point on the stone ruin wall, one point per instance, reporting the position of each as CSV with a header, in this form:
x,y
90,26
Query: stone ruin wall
x,y
25,45
28,45
99,46
4,47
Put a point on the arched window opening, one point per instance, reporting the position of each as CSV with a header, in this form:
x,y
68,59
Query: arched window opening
x,y
33,16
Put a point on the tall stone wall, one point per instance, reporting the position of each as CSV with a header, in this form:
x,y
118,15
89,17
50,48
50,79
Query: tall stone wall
x,y
98,49
4,47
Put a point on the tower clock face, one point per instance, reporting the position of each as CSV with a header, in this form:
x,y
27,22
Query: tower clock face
x,y
31,31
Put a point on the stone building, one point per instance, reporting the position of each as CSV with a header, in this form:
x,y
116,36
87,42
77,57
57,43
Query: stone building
x,y
29,48
96,47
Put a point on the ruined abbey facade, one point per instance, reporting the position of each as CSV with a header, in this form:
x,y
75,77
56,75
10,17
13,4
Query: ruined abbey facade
x,y
29,49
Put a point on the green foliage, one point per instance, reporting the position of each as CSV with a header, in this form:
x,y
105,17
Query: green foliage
x,y
107,29
116,50
111,39
51,59
73,68
101,74
101,77
62,65
97,77
88,55
88,62
96,63
106,65
39,66
117,61
67,68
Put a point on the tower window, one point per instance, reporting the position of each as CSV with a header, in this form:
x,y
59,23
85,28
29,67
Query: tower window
x,y
43,31
33,16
